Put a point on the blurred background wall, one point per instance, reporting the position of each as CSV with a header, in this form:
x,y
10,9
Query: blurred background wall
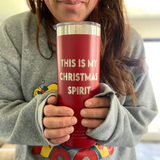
x,y
144,16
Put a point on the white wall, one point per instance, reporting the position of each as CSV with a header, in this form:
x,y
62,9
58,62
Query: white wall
x,y
11,7
147,28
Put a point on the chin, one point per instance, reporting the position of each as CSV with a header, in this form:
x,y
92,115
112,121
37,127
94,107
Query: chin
x,y
73,19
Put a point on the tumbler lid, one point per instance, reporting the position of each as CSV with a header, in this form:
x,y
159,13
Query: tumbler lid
x,y
78,27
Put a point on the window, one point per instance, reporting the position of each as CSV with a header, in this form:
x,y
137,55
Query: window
x,y
152,49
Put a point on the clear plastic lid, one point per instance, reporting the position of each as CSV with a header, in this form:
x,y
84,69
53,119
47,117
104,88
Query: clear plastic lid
x,y
77,22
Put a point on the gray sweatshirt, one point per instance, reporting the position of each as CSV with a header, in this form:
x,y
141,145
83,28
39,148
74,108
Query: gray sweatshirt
x,y
27,80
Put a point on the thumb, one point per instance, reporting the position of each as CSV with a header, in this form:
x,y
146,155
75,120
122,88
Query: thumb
x,y
52,100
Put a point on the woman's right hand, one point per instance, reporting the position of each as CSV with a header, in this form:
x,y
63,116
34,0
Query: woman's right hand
x,y
58,121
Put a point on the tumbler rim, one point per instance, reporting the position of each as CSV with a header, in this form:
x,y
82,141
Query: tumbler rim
x,y
77,22
78,27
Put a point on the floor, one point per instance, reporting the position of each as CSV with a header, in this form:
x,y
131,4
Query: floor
x,y
148,151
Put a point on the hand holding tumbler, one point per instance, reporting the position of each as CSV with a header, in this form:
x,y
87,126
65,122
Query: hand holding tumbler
x,y
78,71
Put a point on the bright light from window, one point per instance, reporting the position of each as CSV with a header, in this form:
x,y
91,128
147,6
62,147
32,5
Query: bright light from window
x,y
143,7
153,59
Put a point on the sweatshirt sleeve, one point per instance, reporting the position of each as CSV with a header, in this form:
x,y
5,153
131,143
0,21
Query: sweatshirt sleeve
x,y
126,123
20,121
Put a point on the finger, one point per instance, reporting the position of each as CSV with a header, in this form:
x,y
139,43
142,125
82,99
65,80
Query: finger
x,y
92,123
60,140
52,100
58,122
94,112
58,133
54,111
98,102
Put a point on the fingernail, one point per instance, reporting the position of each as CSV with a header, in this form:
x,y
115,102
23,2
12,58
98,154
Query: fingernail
x,y
70,129
88,104
67,138
85,121
73,120
84,113
69,113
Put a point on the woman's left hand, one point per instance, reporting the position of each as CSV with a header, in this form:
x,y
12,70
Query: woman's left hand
x,y
95,112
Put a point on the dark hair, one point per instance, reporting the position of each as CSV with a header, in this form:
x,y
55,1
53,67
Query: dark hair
x,y
115,65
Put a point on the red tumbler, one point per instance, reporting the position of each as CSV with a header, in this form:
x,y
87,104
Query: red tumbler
x,y
78,71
